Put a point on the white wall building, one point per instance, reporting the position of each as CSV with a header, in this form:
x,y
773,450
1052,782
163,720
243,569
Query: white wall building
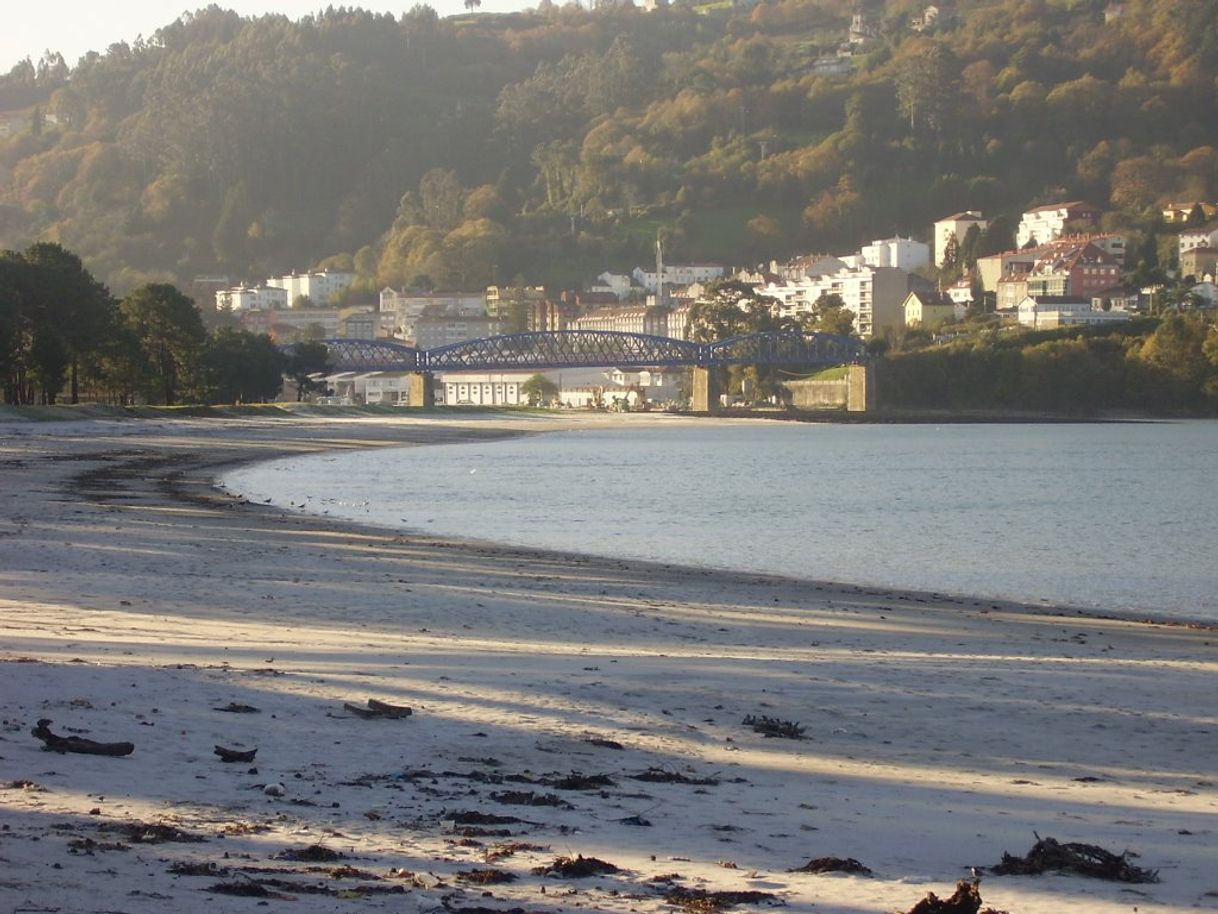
x,y
874,294
484,389
902,253
247,298
677,275
955,226
320,288
1048,223
1048,311
1205,237
618,283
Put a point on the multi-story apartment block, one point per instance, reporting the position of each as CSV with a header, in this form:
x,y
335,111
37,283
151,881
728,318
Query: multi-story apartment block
x,y
874,294
502,300
902,253
1080,271
321,288
652,320
1048,223
955,226
553,315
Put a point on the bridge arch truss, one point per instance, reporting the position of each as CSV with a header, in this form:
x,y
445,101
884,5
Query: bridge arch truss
x,y
543,350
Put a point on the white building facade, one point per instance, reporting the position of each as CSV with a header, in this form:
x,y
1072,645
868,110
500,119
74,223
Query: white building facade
x,y
875,295
320,288
901,253
955,226
1048,223
251,298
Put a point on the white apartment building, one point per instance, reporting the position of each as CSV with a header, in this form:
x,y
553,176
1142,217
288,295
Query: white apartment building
x,y
901,253
955,226
677,275
874,294
320,288
1048,223
251,298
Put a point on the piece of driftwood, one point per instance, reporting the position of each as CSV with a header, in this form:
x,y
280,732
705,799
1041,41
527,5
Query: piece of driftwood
x,y
54,743
965,900
235,755
378,710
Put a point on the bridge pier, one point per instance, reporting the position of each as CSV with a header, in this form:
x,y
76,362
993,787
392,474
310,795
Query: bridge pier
x,y
704,390
860,389
421,392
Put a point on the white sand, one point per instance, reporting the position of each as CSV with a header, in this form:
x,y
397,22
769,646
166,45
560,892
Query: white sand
x,y
136,600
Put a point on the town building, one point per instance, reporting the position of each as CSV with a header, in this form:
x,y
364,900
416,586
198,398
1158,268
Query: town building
x,y
875,295
1204,237
1049,311
503,302
432,330
955,226
651,320
922,310
483,388
1199,262
1195,210
251,298
676,274
406,307
1048,223
1080,270
320,288
902,253
291,325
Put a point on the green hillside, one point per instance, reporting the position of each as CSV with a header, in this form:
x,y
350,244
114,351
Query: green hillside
x,y
551,144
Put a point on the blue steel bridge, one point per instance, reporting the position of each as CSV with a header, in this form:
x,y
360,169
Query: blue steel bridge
x,y
595,349
541,350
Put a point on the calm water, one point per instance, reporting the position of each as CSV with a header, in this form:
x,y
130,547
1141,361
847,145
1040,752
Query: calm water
x,y
1111,516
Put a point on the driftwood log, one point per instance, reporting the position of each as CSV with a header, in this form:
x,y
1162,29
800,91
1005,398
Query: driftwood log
x,y
54,743
378,710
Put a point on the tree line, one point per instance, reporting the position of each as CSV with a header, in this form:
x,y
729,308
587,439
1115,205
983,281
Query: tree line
x,y
64,336
1158,365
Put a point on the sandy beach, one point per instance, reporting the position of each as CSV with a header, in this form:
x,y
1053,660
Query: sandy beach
x,y
563,707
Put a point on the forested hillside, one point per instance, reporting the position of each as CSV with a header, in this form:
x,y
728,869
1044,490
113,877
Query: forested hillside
x,y
551,144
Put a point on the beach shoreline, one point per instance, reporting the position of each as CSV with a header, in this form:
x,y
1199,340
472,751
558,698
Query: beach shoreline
x,y
138,600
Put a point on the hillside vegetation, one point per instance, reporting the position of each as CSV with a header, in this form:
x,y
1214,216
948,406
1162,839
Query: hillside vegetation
x,y
551,144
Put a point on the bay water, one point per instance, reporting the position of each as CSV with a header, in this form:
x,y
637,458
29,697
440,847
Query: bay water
x,y
1120,517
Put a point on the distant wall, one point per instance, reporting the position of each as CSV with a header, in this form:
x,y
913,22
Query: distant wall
x,y
819,394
